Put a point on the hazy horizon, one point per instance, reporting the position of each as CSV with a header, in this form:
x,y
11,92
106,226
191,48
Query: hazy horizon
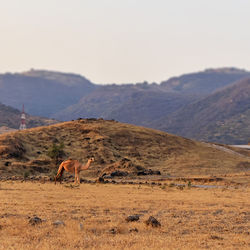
x,y
124,41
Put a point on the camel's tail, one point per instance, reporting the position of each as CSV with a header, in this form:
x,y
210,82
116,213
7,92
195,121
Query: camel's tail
x,y
59,173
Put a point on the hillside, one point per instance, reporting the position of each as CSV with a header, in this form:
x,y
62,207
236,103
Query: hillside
x,y
10,118
43,92
115,146
204,82
222,117
137,104
4,129
66,96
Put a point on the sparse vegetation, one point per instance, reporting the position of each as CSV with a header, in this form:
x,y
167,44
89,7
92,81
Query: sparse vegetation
x,y
26,174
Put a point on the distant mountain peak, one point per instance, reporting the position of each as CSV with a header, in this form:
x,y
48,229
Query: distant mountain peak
x,y
44,72
229,70
205,82
66,78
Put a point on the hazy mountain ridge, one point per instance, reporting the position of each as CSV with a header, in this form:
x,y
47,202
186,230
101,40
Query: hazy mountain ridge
x,y
42,92
137,104
204,82
143,108
68,79
222,117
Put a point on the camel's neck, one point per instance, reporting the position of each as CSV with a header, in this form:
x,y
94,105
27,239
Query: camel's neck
x,y
86,166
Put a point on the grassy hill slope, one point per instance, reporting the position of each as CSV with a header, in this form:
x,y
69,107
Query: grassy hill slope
x,y
115,146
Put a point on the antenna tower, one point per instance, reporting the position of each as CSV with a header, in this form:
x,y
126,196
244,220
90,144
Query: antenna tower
x,y
23,120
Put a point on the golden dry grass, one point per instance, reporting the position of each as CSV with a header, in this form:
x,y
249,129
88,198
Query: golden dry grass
x,y
191,218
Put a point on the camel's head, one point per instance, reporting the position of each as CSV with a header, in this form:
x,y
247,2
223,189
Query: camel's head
x,y
92,159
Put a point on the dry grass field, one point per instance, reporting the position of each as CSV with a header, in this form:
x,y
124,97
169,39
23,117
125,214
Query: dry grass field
x,y
94,216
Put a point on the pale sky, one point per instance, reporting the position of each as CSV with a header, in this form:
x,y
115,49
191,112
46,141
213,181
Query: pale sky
x,y
124,41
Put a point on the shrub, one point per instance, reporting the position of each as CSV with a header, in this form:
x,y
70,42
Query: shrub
x,y
56,152
26,174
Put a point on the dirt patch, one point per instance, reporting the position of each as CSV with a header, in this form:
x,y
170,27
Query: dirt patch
x,y
125,165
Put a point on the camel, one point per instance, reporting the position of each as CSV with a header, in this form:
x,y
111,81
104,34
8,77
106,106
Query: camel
x,y
72,166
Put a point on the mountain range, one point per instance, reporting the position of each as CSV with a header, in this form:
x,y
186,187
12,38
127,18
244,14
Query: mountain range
x,y
223,116
195,105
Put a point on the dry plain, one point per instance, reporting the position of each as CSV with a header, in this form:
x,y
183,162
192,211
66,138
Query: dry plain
x,y
94,216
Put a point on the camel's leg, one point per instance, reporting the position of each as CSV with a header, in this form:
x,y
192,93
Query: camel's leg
x,y
59,172
77,177
61,175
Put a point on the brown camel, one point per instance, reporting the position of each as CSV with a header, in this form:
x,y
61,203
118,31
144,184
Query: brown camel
x,y
72,166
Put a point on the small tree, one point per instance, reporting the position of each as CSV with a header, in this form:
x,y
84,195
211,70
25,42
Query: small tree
x,y
26,174
56,152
